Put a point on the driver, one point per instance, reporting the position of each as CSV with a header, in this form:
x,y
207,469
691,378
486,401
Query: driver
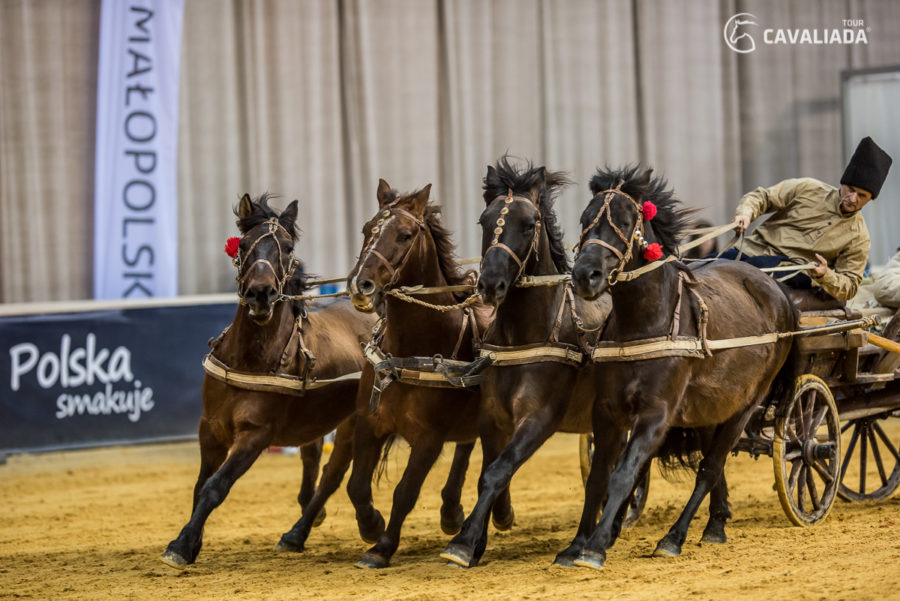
x,y
817,222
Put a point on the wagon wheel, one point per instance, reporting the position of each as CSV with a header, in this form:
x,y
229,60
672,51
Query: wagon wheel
x,y
638,499
806,451
877,461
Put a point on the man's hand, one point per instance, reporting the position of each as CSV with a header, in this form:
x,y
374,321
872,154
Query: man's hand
x,y
820,269
741,222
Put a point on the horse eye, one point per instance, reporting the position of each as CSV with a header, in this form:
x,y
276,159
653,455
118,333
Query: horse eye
x,y
404,237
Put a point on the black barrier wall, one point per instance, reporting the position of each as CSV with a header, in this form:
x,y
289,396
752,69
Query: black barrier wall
x,y
94,378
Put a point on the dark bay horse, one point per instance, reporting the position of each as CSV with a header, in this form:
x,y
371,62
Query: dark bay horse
x,y
406,244
527,400
267,337
715,391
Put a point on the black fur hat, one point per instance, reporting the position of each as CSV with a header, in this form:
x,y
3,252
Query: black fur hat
x,y
868,167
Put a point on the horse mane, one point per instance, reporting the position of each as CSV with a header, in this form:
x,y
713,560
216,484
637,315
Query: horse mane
x,y
671,219
443,242
506,176
260,213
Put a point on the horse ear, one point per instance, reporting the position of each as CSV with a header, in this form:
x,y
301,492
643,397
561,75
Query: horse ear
x,y
383,193
245,206
420,200
288,217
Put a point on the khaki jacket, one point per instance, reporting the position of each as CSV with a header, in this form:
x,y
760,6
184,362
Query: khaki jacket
x,y
886,287
807,219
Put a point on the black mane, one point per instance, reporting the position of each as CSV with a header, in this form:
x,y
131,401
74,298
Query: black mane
x,y
521,180
671,217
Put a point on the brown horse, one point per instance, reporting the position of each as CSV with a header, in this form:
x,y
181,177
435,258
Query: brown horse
x,y
526,400
268,337
406,244
715,391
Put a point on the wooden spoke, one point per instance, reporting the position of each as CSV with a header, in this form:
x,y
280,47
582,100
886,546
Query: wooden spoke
x,y
817,419
877,455
811,485
849,453
887,441
822,470
801,496
863,443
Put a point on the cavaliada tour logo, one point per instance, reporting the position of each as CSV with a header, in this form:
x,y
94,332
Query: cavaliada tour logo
x,y
744,33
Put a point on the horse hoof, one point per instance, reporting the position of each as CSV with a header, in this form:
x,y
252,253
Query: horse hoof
x,y
174,560
667,548
713,537
505,522
285,545
450,525
319,518
372,561
565,559
590,559
371,535
458,555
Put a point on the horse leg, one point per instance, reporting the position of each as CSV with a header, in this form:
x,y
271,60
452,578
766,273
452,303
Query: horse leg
x,y
247,446
310,458
468,546
646,436
707,477
421,458
606,450
212,455
366,453
295,539
452,514
719,513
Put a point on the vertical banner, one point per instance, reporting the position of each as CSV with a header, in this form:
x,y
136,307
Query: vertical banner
x,y
135,174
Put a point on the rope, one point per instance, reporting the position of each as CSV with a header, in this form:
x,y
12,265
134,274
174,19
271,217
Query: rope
x,y
471,300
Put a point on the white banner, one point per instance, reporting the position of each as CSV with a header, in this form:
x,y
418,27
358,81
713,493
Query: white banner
x,y
135,173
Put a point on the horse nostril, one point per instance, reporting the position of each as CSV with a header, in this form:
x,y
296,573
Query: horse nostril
x,y
367,287
480,287
596,275
501,286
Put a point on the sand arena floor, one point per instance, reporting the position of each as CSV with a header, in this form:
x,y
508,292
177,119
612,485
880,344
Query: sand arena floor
x,y
92,524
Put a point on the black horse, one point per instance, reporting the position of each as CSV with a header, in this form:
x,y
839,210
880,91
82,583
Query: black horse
x,y
698,388
547,388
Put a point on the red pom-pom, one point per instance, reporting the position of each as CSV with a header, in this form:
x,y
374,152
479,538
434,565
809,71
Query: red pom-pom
x,y
653,251
231,247
648,210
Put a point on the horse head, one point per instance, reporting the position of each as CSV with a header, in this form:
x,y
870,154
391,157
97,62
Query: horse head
x,y
390,239
616,230
517,223
265,261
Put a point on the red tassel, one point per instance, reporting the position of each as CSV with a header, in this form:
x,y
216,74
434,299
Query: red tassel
x,y
653,251
648,210
231,246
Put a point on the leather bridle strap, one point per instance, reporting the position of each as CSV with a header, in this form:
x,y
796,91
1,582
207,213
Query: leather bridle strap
x,y
498,231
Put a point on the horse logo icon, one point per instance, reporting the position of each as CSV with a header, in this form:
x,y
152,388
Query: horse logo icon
x,y
738,40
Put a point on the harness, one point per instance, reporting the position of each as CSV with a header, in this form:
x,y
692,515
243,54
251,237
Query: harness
x,y
293,375
433,372
552,350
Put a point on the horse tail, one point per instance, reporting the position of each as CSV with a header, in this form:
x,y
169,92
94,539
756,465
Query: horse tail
x,y
382,463
681,449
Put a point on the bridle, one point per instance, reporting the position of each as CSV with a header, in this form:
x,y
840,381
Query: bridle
x,y
384,216
287,271
637,231
498,231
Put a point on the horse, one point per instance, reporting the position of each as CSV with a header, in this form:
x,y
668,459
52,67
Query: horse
x,y
539,383
406,244
320,344
632,219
